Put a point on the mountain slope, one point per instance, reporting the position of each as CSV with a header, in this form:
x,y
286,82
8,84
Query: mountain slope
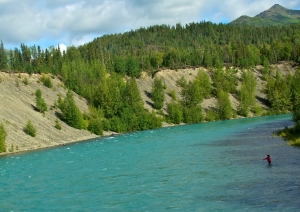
x,y
276,15
17,107
18,101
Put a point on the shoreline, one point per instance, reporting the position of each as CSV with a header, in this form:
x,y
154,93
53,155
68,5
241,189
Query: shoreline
x,y
108,134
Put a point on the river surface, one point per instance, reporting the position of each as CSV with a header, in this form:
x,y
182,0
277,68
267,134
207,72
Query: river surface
x,y
213,166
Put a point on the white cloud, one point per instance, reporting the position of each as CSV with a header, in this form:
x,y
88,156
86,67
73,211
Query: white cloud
x,y
74,22
62,47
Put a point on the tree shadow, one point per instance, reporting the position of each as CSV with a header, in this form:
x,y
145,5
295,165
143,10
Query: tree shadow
x,y
263,100
150,103
58,115
35,108
148,94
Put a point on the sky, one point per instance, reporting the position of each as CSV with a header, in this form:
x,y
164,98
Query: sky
x,y
75,22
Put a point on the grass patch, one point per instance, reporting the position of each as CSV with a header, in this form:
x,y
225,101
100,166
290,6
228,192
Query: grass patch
x,y
290,135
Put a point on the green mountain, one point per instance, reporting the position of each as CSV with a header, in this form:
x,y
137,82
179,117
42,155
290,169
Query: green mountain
x,y
276,15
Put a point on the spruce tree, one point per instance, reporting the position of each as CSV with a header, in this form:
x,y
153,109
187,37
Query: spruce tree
x,y
71,113
224,109
175,114
3,135
203,83
157,94
132,96
296,99
40,102
247,93
3,57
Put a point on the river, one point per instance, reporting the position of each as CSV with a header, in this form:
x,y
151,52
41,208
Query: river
x,y
213,166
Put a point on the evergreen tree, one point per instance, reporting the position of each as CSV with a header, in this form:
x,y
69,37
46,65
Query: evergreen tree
x,y
132,96
296,99
30,129
247,93
109,95
203,82
279,93
175,114
3,135
40,102
224,109
192,114
3,57
157,94
191,95
70,112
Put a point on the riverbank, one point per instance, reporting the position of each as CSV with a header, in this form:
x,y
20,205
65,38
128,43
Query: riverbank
x,y
290,135
17,106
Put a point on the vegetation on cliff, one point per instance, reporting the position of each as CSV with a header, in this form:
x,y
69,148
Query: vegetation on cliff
x,y
105,70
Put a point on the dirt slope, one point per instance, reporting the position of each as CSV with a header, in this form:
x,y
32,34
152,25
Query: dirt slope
x,y
16,108
17,102
170,77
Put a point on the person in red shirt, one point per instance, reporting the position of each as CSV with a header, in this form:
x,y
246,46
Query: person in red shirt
x,y
268,158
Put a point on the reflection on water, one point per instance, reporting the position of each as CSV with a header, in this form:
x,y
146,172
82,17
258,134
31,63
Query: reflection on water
x,y
204,167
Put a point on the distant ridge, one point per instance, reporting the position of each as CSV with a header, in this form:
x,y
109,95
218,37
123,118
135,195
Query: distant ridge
x,y
276,15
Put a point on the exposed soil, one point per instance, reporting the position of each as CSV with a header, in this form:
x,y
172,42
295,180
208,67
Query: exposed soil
x,y
17,106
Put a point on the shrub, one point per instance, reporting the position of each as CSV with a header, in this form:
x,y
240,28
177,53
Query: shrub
x,y
175,114
3,135
47,81
117,125
12,148
211,115
40,102
181,82
29,129
105,124
70,112
57,124
257,109
17,83
192,114
95,126
172,94
158,94
25,81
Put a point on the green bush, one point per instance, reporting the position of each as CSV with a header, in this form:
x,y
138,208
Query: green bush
x,y
47,81
211,115
257,109
12,148
25,81
175,114
40,102
192,114
105,124
29,129
158,94
172,94
181,82
70,112
3,135
117,125
57,124
95,126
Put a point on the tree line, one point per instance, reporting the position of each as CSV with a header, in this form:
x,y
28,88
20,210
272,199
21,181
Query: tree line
x,y
97,70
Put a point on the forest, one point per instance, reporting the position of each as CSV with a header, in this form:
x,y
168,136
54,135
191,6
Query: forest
x,y
104,72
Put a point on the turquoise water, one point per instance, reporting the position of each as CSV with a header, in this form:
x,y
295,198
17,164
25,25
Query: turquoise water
x,y
203,167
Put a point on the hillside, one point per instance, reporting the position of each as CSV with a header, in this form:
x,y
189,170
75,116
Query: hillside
x,y
276,15
17,106
170,77
18,101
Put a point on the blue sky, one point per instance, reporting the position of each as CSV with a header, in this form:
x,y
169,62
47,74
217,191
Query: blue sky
x,y
75,22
